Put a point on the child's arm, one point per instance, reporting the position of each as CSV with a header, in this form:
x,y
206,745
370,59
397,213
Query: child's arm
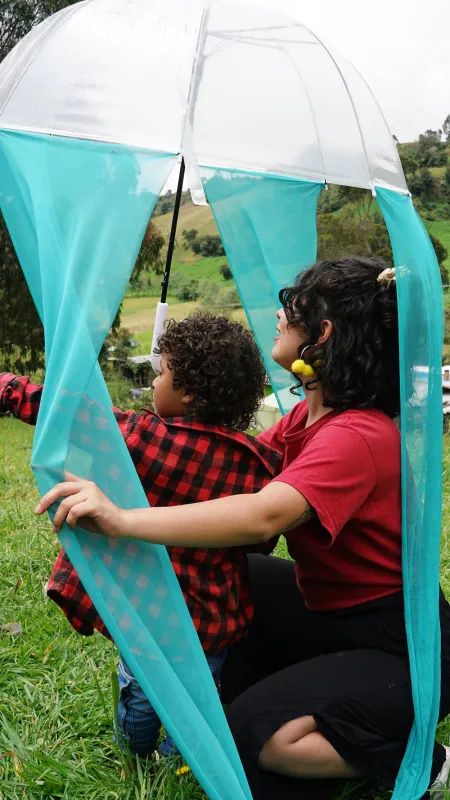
x,y
227,522
23,398
19,396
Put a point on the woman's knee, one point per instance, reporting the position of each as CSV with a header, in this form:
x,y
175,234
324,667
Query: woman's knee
x,y
273,754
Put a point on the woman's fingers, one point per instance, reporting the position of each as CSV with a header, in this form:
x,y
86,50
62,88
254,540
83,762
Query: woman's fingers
x,y
67,511
77,512
82,499
69,476
60,490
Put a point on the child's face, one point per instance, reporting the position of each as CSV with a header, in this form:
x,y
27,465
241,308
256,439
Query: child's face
x,y
167,401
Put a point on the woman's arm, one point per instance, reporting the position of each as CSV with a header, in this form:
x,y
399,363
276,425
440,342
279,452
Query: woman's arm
x,y
227,522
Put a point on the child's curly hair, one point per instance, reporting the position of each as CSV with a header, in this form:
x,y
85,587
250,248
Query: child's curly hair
x,y
218,362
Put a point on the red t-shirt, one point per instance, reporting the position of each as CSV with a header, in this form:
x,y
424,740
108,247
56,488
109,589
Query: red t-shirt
x,y
347,466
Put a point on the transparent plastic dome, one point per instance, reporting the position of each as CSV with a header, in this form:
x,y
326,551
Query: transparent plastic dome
x,y
226,84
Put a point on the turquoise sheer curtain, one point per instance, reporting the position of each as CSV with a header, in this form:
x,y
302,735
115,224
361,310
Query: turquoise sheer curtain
x,y
77,212
420,310
268,226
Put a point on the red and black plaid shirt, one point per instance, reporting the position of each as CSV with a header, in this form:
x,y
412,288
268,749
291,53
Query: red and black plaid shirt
x,y
178,460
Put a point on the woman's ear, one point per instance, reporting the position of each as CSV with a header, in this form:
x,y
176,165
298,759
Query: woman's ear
x,y
326,327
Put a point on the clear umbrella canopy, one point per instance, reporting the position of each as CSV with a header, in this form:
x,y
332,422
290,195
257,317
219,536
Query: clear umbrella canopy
x,y
96,105
227,84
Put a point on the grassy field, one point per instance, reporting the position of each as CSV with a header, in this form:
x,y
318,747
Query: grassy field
x,y
56,698
55,686
198,217
138,315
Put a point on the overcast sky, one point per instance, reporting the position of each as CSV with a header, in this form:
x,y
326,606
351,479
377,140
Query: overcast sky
x,y
401,47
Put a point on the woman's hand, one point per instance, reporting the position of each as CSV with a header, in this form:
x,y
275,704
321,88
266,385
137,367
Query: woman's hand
x,y
84,505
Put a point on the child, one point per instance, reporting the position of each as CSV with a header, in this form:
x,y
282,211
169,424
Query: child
x,y
210,386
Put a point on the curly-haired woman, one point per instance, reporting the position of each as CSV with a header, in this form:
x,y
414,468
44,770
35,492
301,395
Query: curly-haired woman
x,y
321,688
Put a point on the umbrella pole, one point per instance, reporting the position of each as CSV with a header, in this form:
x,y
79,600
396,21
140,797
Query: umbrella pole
x,y
173,230
162,307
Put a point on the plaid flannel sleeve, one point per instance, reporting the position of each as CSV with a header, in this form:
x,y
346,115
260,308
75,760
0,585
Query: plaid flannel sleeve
x,y
19,396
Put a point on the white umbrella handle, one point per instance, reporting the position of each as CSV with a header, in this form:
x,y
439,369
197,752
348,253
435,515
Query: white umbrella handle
x,y
160,319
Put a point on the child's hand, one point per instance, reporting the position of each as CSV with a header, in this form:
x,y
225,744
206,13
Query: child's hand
x,y
84,505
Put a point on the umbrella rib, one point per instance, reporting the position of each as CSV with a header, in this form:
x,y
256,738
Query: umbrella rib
x,y
254,40
316,127
330,55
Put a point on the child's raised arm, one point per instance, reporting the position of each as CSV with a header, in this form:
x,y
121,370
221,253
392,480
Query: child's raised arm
x,y
19,396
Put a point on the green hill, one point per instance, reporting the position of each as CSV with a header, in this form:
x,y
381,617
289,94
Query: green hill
x,y
199,217
426,165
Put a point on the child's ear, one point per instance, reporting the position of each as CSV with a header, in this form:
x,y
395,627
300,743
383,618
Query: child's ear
x,y
187,399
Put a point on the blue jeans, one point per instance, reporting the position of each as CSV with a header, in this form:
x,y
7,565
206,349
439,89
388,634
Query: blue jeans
x,y
139,724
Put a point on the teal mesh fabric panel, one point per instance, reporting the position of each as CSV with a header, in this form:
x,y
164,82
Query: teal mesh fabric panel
x,y
420,310
77,212
268,227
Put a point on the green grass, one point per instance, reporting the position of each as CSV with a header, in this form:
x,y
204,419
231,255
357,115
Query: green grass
x,y
55,686
438,172
203,269
56,697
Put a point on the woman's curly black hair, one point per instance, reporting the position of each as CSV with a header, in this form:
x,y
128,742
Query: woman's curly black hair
x,y
218,362
360,361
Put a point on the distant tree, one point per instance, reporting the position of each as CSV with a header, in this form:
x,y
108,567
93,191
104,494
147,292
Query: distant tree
x,y
348,234
150,254
431,149
21,332
441,254
409,161
184,288
221,301
446,128
430,139
232,297
17,17
166,202
211,246
207,246
422,183
117,346
225,271
189,236
361,199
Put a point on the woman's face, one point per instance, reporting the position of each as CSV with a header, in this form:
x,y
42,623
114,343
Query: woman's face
x,y
287,342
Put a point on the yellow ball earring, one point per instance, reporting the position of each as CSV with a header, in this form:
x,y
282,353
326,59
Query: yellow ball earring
x,y
300,367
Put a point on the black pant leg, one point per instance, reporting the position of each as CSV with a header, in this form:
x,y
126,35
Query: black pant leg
x,y
283,631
